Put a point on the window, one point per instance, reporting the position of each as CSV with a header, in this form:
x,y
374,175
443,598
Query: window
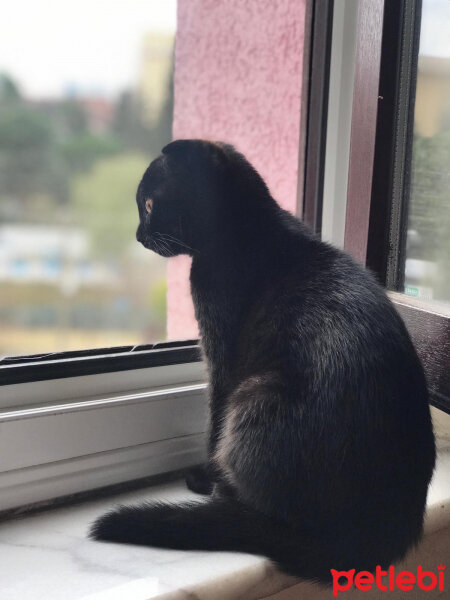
x,y
415,262
377,167
394,198
86,100
102,400
338,76
427,264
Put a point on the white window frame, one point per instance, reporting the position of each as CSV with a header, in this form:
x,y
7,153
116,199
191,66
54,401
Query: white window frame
x,y
76,433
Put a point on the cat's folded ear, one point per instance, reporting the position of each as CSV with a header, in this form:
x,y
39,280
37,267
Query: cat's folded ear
x,y
183,147
178,148
187,152
195,150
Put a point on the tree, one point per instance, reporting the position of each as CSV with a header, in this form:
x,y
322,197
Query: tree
x,y
83,151
131,127
9,92
128,123
73,117
26,143
104,202
162,134
429,207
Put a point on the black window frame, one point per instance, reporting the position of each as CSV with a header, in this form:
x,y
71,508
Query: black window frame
x,y
41,367
387,42
428,324
386,244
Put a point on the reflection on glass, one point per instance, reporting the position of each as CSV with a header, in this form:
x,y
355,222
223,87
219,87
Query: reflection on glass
x,y
85,104
428,236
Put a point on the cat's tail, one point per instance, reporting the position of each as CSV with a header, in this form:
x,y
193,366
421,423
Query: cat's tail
x,y
217,524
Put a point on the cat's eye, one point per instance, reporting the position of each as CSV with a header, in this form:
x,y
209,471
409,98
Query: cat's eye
x,y
149,205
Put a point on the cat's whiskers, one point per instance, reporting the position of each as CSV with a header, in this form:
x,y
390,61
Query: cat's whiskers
x,y
170,238
163,247
158,246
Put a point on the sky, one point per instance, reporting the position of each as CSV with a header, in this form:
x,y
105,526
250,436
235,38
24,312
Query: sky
x,y
48,46
435,28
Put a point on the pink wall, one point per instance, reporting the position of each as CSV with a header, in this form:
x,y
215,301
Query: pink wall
x,y
238,78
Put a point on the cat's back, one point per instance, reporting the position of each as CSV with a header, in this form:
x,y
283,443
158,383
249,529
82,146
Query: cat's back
x,y
322,314
341,359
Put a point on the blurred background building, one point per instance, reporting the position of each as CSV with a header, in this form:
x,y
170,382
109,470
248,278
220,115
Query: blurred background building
x,y
156,74
432,110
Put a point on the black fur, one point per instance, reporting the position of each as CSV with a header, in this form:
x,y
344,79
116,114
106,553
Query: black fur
x,y
199,480
321,446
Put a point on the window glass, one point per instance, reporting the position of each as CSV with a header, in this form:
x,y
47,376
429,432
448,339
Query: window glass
x,y
428,241
85,104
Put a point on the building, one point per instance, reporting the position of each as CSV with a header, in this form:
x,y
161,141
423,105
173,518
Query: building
x,y
432,112
155,73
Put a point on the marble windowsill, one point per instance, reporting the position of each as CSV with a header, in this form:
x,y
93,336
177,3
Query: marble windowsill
x,y
48,556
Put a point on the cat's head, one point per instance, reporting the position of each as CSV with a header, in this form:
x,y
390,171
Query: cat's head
x,y
190,194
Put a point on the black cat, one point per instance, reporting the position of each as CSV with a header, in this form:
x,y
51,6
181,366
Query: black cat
x,y
321,446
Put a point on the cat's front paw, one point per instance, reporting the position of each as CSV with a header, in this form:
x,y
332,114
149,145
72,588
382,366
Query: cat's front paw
x,y
199,480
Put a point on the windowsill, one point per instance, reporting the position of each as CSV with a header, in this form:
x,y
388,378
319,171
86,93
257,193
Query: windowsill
x,y
49,556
